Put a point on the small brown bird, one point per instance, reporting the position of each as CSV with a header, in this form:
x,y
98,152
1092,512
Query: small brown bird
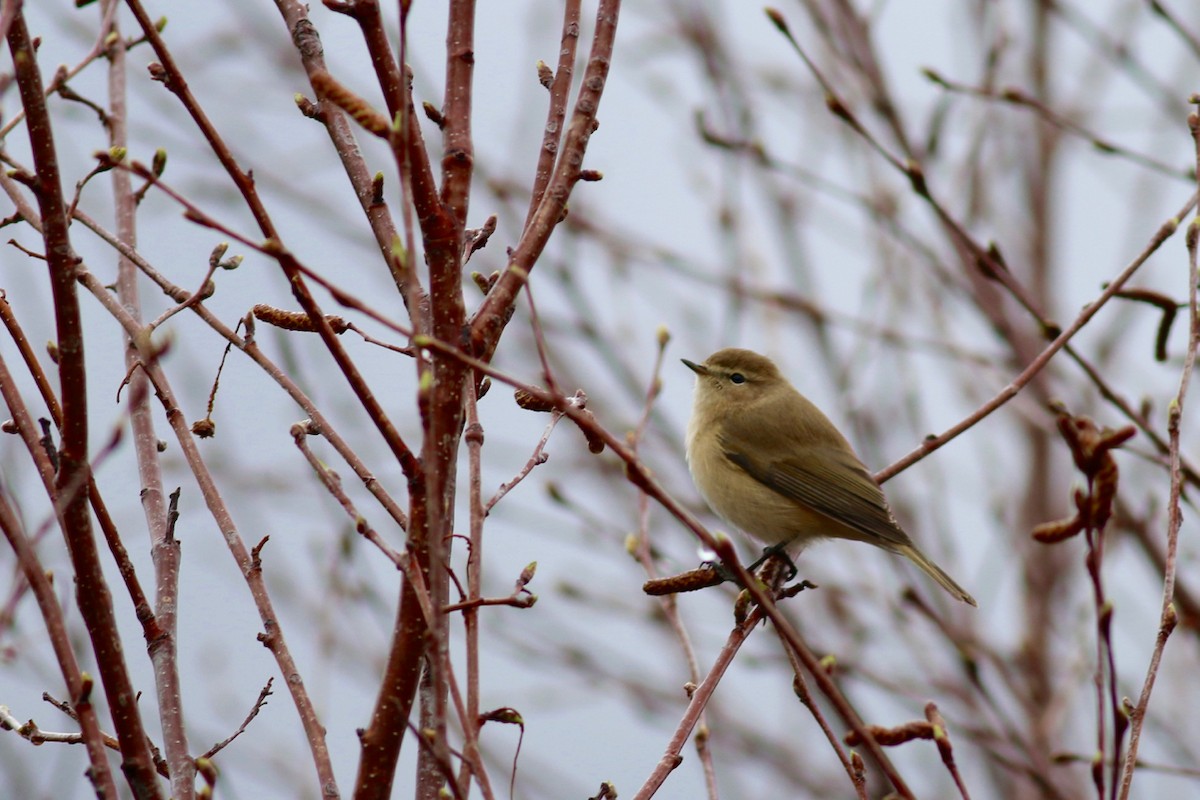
x,y
769,462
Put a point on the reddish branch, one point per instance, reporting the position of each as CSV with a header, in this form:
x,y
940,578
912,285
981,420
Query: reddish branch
x,y
408,636
141,606
697,702
249,564
559,87
168,72
442,220
458,154
248,346
43,590
472,724
441,394
93,597
164,547
312,57
487,324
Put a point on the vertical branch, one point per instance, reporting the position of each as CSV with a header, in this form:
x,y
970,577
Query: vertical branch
x,y
43,591
440,400
1042,572
1104,676
642,551
163,648
374,205
441,404
560,91
381,739
471,723
92,594
487,324
248,562
112,537
458,154
442,224
1169,618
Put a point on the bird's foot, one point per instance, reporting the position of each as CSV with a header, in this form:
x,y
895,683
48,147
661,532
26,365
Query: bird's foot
x,y
720,570
796,588
779,553
777,568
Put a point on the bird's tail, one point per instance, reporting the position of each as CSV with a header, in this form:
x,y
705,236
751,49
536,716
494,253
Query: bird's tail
x,y
934,571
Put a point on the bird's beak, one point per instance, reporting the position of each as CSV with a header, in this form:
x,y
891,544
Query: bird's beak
x,y
699,369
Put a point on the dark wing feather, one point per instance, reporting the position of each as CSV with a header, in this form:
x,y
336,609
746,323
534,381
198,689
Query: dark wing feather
x,y
830,481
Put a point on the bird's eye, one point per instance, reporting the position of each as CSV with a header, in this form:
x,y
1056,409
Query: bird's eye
x,y
737,377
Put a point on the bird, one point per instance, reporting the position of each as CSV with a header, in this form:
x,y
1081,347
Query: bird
x,y
770,463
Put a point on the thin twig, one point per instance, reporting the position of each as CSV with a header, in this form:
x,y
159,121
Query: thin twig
x,y
932,443
257,707
1168,617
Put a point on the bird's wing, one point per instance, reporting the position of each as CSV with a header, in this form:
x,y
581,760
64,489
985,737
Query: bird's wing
x,y
830,481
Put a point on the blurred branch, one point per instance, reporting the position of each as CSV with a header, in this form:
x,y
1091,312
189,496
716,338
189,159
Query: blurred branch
x,y
933,443
640,548
1173,21
1174,511
1017,97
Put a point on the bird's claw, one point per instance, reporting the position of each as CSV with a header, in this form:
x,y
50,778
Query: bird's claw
x,y
779,550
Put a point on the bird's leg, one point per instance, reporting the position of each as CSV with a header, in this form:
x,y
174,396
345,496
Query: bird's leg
x,y
726,575
796,588
776,551
722,572
780,550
